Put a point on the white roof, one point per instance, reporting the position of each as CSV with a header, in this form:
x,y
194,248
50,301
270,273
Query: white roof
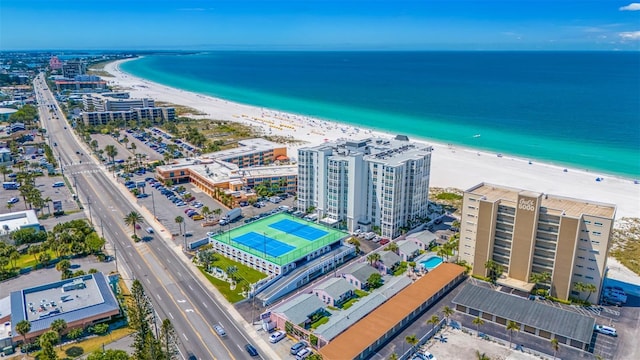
x,y
17,220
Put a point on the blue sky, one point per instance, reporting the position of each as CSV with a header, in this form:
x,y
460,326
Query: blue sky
x,y
324,25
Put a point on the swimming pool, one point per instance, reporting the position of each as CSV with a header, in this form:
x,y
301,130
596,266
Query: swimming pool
x,y
431,263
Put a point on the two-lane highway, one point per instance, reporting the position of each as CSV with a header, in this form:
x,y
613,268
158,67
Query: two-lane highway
x,y
175,292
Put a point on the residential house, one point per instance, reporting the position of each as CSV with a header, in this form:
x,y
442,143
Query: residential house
x,y
301,311
408,250
424,239
334,291
388,261
358,275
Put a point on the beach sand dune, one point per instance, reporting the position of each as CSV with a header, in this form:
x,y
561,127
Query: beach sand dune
x,y
451,166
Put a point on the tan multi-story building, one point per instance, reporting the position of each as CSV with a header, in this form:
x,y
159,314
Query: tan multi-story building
x,y
530,233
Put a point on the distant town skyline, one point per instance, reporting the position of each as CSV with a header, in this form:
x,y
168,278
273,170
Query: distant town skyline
x,y
320,25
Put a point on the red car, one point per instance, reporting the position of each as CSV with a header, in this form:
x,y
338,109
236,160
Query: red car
x,y
384,241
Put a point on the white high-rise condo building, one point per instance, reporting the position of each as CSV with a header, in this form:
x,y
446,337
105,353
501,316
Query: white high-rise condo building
x,y
374,183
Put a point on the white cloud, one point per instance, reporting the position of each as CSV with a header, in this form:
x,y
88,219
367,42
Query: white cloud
x,y
630,35
631,7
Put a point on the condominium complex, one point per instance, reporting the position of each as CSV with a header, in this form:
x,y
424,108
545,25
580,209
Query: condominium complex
x,y
366,184
72,68
534,233
101,109
106,102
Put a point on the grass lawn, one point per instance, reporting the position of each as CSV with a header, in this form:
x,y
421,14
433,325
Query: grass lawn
x,y
27,260
94,343
224,287
361,293
400,269
322,320
244,272
349,303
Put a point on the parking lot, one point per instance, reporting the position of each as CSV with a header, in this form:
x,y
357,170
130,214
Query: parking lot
x,y
166,211
45,185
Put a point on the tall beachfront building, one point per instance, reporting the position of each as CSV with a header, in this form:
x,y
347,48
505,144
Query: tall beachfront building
x,y
534,233
369,184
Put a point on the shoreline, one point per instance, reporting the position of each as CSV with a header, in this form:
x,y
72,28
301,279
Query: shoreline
x,y
452,165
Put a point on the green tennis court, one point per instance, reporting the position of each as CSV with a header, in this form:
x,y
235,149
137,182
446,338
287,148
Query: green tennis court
x,y
281,238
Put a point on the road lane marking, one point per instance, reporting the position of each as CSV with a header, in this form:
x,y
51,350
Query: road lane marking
x,y
171,316
191,287
158,296
205,304
185,336
149,281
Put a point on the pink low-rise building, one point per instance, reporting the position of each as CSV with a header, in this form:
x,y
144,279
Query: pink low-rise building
x,y
334,291
358,275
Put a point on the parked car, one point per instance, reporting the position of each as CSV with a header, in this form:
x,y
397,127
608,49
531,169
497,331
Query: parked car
x,y
13,200
187,210
303,354
198,205
607,330
297,347
277,336
149,230
197,217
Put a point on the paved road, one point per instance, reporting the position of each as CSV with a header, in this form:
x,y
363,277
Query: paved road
x,y
173,286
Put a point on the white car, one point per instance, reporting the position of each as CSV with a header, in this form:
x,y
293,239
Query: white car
x,y
303,354
277,336
607,330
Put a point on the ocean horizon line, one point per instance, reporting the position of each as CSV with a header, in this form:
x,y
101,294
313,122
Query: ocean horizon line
x,y
537,151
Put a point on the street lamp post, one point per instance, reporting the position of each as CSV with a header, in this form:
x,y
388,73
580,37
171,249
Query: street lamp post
x,y
153,202
89,205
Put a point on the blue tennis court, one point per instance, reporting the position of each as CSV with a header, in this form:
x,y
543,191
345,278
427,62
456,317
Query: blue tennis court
x,y
263,243
298,229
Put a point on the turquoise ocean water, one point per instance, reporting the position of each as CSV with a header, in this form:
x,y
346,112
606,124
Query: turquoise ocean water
x,y
577,109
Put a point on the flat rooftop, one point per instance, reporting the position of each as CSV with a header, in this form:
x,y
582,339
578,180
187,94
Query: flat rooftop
x,y
537,315
569,206
16,220
72,300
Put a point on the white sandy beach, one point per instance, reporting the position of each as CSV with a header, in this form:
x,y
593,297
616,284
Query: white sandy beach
x,y
451,166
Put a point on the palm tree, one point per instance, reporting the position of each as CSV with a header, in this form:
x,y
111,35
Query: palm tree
x,y
393,356
478,322
231,271
356,243
541,278
179,220
217,212
494,270
9,206
579,286
393,247
412,340
447,311
555,346
511,327
482,356
373,258
23,327
133,219
590,288
63,265
111,152
433,321
59,326
4,170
